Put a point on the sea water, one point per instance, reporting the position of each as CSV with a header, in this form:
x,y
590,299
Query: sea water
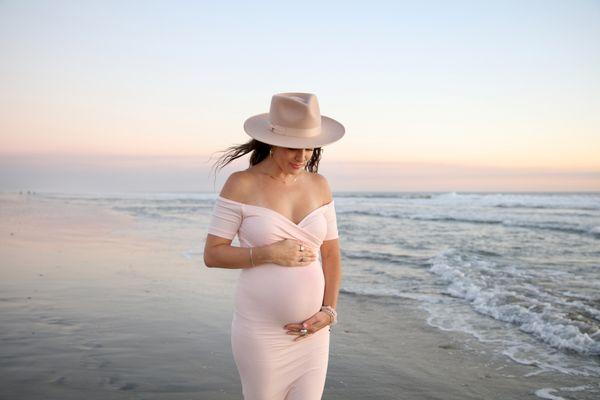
x,y
518,271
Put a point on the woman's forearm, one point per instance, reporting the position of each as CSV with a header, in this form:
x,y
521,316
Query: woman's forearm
x,y
332,270
231,257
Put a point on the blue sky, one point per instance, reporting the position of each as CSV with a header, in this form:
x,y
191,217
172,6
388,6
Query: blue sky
x,y
477,84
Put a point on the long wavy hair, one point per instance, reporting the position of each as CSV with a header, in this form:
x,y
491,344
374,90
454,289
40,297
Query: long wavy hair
x,y
259,151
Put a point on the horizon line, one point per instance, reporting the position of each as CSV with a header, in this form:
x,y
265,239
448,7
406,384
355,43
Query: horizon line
x,y
205,158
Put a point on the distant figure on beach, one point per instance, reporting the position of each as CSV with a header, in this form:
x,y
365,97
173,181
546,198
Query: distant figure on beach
x,y
283,212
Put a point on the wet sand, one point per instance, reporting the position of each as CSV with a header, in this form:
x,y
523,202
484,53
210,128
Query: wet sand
x,y
95,306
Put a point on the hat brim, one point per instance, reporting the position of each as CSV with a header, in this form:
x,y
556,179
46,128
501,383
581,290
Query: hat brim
x,y
258,127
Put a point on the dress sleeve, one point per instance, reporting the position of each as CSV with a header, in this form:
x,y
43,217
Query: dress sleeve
x,y
332,231
226,219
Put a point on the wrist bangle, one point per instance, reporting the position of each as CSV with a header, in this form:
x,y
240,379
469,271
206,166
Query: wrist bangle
x,y
251,260
332,314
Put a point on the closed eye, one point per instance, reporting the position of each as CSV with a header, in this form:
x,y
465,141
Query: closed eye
x,y
290,148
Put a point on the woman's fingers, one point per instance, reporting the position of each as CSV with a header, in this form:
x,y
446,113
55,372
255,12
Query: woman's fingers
x,y
307,250
294,329
299,335
306,258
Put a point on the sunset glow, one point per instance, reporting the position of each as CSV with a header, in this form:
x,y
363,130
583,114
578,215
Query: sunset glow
x,y
479,87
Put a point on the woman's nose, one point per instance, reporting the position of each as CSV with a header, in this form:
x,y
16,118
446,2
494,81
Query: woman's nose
x,y
301,154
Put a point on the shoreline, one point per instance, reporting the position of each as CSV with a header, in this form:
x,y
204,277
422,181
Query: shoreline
x,y
92,308
417,361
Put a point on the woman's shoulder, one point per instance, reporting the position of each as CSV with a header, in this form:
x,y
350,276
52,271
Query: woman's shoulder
x,y
237,185
321,182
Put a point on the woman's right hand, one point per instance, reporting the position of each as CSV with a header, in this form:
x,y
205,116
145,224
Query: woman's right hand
x,y
287,252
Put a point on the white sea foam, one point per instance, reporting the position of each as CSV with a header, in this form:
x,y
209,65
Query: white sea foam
x,y
585,201
547,393
507,305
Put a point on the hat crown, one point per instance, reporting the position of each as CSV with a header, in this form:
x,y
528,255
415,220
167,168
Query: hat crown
x,y
294,121
295,111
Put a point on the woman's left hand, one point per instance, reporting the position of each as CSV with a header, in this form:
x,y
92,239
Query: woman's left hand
x,y
318,321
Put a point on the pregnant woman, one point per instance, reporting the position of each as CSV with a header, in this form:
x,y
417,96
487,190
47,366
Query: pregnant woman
x,y
283,213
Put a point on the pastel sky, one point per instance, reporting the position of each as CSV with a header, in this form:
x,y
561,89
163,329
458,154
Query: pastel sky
x,y
434,95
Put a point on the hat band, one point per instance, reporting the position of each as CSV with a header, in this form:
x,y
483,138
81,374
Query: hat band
x,y
296,132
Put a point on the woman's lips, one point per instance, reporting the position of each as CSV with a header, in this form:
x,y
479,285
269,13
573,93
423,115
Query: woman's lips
x,y
296,166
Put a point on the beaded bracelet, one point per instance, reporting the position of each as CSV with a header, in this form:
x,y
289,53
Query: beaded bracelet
x,y
331,312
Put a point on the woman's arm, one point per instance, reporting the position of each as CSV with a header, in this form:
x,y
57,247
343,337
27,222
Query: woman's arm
x,y
330,250
332,269
218,252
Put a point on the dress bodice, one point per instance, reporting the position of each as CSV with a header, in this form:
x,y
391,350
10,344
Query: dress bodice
x,y
259,226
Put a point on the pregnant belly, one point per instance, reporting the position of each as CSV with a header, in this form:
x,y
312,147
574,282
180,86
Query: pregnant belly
x,y
272,293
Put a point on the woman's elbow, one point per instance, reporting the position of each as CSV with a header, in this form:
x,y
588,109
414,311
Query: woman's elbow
x,y
213,256
209,261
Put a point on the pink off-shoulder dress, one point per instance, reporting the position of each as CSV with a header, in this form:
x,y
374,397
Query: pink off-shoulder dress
x,y
268,296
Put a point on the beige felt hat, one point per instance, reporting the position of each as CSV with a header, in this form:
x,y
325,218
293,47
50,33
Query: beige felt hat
x,y
294,121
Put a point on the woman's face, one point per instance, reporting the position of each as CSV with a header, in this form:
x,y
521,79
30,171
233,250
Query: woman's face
x,y
292,160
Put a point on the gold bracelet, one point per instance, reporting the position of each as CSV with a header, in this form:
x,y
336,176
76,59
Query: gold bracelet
x,y
251,260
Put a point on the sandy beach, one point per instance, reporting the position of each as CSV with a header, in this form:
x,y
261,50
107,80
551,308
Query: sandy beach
x,y
97,305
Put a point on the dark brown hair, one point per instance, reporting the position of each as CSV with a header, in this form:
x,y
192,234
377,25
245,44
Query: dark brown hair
x,y
260,151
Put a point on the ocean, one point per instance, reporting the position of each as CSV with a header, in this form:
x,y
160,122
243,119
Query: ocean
x,y
519,272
